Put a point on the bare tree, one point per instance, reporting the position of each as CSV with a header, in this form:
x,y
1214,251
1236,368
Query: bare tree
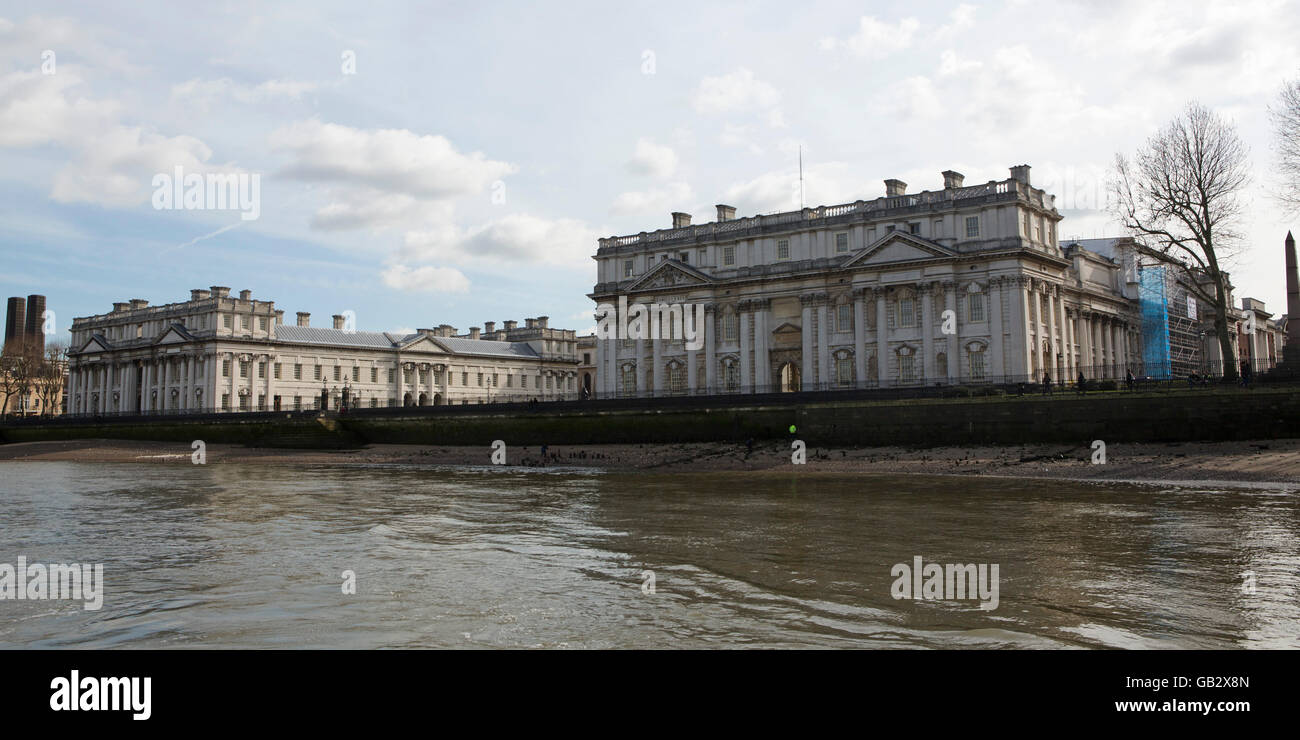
x,y
1286,130
1179,199
50,380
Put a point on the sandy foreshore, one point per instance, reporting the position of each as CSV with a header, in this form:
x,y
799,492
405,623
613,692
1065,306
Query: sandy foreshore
x,y
1262,461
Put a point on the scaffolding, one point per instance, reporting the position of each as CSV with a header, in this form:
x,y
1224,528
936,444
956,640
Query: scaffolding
x,y
1155,321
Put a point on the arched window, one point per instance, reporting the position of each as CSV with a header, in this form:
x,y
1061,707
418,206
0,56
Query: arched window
x,y
906,365
843,370
975,358
731,374
676,377
629,379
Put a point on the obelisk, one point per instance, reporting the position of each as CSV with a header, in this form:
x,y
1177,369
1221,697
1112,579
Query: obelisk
x,y
1291,352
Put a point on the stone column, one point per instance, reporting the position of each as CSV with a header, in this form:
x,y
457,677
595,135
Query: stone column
x,y
657,358
859,337
823,345
882,339
806,335
1053,335
951,349
710,349
692,375
640,366
1108,343
746,348
997,364
1085,345
1017,297
758,308
1063,327
925,295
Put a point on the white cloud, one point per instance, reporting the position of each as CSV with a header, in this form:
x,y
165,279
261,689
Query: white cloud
x,y
514,239
391,160
653,159
204,93
914,97
426,279
39,109
825,183
735,92
671,197
875,39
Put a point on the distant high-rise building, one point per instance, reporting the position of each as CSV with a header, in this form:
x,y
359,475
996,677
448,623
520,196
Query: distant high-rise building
x,y
15,321
35,326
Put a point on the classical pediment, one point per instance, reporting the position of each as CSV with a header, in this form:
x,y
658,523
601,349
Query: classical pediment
x,y
671,274
899,246
96,343
174,334
423,344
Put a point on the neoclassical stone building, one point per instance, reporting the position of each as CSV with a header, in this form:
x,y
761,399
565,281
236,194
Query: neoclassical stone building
x,y
856,296
217,352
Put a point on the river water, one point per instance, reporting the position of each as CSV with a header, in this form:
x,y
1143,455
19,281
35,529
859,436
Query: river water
x,y
252,556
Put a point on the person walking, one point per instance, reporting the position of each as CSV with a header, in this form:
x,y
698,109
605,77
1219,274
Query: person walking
x,y
1047,384
1082,384
1129,380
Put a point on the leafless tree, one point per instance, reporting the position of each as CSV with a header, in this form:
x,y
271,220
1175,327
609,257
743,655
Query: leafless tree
x,y
49,383
1286,131
1179,197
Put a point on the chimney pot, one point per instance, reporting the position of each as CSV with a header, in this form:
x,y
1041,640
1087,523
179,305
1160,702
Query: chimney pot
x,y
473,332
1021,173
338,321
489,327
304,318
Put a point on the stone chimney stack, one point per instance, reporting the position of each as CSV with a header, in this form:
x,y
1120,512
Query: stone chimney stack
x,y
1020,172
489,327
338,320
681,220
726,213
952,180
530,323
120,306
138,303
473,332
510,325
895,188
245,295
541,321
304,318
219,291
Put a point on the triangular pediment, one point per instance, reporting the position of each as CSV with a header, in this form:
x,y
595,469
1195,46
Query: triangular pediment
x,y
671,274
173,335
786,328
899,246
96,343
423,344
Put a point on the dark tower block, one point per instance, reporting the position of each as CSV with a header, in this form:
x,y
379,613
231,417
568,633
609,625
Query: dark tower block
x,y
35,330
1291,352
15,321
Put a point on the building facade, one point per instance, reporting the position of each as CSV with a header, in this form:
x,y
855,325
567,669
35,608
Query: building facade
x,y
963,284
217,352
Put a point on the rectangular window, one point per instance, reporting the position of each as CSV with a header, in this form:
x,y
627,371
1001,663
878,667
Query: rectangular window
x,y
494,380
297,403
480,380
243,324
225,401
318,372
703,255
261,323
842,242
977,365
374,403
277,371
728,255
844,371
374,375
243,369
685,257
627,268
523,381
914,227
464,378
338,373
906,312
356,374
907,368
391,375
297,371
261,402
976,307
510,381
261,369
972,226
844,317
783,249
225,368
729,327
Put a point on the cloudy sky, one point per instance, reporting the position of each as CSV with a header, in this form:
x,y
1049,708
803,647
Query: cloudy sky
x,y
456,162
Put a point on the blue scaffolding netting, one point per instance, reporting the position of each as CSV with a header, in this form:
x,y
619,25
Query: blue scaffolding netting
x,y
1155,321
